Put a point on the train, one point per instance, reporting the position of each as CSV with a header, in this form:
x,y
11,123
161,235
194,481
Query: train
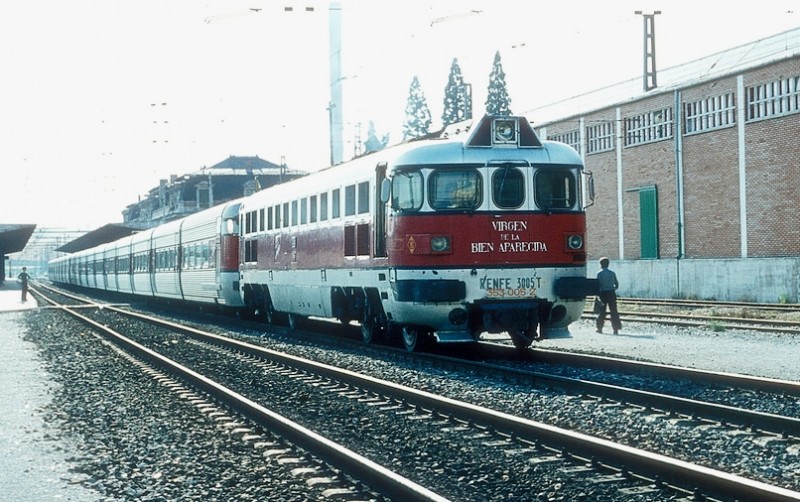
x,y
434,240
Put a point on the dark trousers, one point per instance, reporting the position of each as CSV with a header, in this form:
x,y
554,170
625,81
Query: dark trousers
x,y
24,292
609,299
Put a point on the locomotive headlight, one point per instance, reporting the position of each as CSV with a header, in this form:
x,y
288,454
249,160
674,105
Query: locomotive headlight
x,y
575,242
440,244
504,131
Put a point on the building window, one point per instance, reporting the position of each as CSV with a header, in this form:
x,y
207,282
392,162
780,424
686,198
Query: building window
x,y
710,113
303,211
600,137
313,209
572,138
649,127
779,97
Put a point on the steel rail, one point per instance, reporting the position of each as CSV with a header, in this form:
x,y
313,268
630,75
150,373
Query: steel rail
x,y
377,476
653,465
778,424
751,382
778,307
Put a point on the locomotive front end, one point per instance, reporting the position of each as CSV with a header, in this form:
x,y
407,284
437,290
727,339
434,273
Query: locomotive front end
x,y
483,235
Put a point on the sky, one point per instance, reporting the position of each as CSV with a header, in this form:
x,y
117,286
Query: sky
x,y
101,99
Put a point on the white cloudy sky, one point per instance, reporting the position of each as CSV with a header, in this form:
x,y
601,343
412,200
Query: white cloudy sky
x,y
99,99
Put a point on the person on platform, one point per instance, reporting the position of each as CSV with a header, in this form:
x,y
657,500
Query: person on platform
x,y
607,291
23,278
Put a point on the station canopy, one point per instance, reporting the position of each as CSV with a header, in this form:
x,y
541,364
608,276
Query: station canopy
x,y
102,235
13,238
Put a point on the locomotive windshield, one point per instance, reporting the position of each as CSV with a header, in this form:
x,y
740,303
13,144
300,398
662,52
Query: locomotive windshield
x,y
407,191
508,188
462,189
454,189
555,189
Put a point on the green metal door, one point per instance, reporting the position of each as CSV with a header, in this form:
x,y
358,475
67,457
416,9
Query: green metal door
x,y
648,221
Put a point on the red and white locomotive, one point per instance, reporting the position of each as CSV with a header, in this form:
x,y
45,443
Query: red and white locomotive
x,y
444,238
439,239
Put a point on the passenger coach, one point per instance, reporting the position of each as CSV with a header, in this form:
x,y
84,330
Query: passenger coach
x,y
194,259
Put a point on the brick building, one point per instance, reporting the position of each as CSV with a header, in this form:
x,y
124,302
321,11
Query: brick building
x,y
697,181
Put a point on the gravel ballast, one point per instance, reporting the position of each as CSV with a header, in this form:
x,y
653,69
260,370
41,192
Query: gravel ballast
x,y
127,451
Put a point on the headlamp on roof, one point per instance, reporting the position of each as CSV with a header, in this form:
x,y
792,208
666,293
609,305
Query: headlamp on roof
x,y
504,131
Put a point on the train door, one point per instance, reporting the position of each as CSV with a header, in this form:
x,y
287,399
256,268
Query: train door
x,y
379,223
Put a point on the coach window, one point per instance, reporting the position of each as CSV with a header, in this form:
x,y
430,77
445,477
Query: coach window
x,y
454,189
407,188
508,187
335,203
350,200
363,197
323,206
555,189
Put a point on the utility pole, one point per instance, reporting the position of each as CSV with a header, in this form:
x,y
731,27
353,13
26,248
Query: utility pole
x,y
335,107
649,49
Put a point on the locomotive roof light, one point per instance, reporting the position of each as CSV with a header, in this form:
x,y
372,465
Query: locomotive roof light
x,y
494,130
504,131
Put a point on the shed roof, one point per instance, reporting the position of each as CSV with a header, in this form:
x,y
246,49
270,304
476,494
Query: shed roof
x,y
13,238
751,55
102,235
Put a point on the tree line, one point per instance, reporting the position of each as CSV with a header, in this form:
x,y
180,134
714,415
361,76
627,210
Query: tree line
x,y
457,104
457,100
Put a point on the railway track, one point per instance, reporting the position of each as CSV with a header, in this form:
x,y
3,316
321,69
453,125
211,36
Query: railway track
x,y
778,318
542,443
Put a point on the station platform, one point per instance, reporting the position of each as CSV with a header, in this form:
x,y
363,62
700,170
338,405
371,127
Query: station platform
x,y
33,467
11,297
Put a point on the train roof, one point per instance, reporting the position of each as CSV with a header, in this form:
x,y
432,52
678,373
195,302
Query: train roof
x,y
476,144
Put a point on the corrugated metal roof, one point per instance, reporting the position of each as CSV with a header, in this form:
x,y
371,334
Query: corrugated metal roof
x,y
767,50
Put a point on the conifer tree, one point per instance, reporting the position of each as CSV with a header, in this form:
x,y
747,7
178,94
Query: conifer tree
x,y
418,115
457,97
497,100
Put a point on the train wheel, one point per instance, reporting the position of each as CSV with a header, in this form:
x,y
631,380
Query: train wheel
x,y
521,338
368,327
411,338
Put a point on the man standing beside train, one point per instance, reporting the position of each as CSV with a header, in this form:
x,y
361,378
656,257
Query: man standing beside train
x,y
607,289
